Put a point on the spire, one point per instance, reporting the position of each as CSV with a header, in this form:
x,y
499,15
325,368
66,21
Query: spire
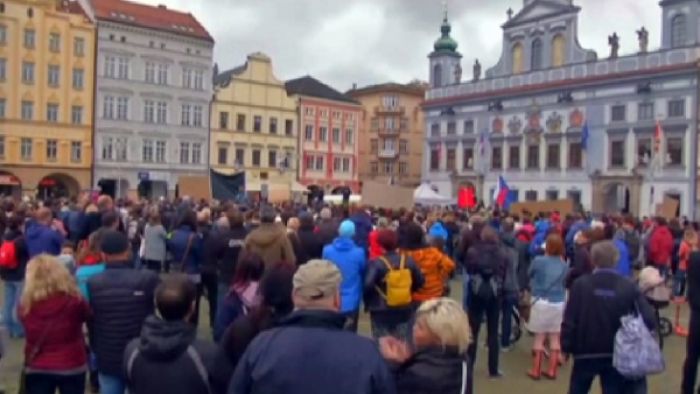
x,y
445,43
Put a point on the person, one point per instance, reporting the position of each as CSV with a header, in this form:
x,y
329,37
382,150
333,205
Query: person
x,y
391,320
469,237
53,313
269,240
660,246
581,264
154,242
375,249
43,234
547,274
363,226
293,225
511,288
592,316
13,278
309,240
314,328
121,298
487,265
692,356
688,245
441,336
435,266
243,295
168,347
185,245
629,234
327,227
227,244
351,262
67,256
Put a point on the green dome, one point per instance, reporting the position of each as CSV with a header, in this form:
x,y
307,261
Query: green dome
x,y
445,42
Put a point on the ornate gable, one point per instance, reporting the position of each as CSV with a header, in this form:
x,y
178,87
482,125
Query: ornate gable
x,y
538,9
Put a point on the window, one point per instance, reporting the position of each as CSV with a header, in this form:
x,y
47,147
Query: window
x,y
3,69
187,78
107,148
451,159
26,148
78,79
288,127
553,156
2,108
390,101
374,146
51,150
273,125
514,157
468,127
403,168
435,158
468,158
617,153
222,155
162,115
272,158
197,116
575,196
336,135
374,168
403,147
149,111
256,157
618,113
388,167
552,195
645,111
54,76
240,157
533,157
240,122
678,31
196,153
496,158
52,113
558,50
123,68
27,110
108,107
54,42
674,151
29,38
122,108
160,151
389,123
310,161
76,151
257,124
346,164
319,163
451,128
185,114
309,132
3,35
184,152
162,74
150,72
2,146
531,195
120,147
575,155
110,66
643,152
199,80
536,63
437,75
349,137
78,47
323,134
28,72
148,151
517,58
676,108
434,130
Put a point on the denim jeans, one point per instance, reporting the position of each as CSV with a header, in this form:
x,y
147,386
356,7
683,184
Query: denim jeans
x,y
466,290
42,383
110,384
679,283
13,292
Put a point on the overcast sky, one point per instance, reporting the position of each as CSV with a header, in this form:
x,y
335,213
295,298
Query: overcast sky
x,y
376,41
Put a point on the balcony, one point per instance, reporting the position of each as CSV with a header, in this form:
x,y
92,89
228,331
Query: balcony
x,y
388,153
382,110
389,132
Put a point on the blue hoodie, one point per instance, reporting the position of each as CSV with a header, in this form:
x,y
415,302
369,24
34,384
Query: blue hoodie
x,y
351,261
624,267
541,231
42,239
438,230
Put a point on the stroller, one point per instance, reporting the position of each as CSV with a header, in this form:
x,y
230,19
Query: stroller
x,y
658,292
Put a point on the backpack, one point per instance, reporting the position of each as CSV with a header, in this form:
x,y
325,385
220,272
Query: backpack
x,y
398,284
8,255
636,353
191,353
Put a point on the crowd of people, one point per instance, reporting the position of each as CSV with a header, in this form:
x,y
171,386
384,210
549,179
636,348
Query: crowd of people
x,y
108,295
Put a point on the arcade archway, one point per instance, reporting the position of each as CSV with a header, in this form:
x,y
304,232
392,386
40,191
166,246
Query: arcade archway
x,y
10,185
57,185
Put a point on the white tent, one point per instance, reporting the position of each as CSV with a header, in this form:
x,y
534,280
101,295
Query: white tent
x,y
425,195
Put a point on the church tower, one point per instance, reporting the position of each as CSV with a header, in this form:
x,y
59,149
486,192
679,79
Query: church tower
x,y
445,67
679,26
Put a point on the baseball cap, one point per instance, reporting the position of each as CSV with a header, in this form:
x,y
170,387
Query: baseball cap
x,y
114,242
316,279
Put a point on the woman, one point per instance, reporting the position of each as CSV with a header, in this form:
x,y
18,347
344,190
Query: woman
x,y
185,245
547,274
375,250
53,313
154,241
293,225
13,277
243,295
688,245
441,336
435,266
690,367
310,240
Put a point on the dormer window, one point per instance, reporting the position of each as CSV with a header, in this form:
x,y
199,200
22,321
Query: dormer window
x,y
558,50
517,58
536,62
678,31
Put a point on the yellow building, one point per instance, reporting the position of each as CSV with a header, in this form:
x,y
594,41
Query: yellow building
x,y
47,55
253,129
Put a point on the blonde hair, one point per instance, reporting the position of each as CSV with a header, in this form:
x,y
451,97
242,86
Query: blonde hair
x,y
46,277
445,318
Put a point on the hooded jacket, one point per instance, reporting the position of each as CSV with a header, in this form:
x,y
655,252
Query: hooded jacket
x,y
436,268
41,238
161,363
541,231
351,262
226,246
432,370
271,243
363,226
177,245
661,246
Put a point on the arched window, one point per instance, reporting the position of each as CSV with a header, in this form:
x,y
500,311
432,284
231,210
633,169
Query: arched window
x,y
536,60
558,50
517,58
678,31
437,75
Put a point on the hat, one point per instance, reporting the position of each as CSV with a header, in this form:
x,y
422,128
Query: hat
x,y
346,229
114,242
316,279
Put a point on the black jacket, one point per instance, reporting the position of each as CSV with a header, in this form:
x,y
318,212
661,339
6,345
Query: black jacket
x,y
581,265
487,262
311,242
226,245
121,298
17,274
694,281
596,304
376,278
432,370
160,362
327,231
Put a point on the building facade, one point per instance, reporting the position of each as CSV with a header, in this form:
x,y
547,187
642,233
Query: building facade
x,y
46,97
527,116
328,124
254,128
391,137
154,87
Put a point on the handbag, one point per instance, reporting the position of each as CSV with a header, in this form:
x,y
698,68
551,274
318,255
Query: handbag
x,y
636,353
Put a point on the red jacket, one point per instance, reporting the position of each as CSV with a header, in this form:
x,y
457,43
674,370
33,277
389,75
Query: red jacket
x,y
661,246
375,251
63,347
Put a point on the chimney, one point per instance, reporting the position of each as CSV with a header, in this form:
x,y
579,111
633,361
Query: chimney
x,y
354,86
162,6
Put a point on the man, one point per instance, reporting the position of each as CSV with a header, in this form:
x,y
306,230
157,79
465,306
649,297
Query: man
x,y
629,234
226,245
93,220
660,246
342,362
363,226
327,227
309,240
120,298
270,240
511,289
44,235
690,367
167,357
596,304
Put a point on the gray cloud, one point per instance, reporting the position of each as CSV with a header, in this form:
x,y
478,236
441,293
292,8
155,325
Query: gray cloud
x,y
375,41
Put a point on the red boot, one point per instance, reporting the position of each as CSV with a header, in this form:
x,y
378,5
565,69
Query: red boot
x,y
551,373
536,372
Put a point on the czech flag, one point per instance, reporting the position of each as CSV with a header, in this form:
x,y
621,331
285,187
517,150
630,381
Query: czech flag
x,y
502,194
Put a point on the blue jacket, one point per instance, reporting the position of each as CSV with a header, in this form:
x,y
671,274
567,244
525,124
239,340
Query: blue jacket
x,y
624,267
42,239
438,230
351,262
84,273
541,230
363,226
310,353
547,275
580,225
177,245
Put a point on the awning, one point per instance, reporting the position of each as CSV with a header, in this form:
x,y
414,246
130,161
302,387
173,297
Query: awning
x,y
9,180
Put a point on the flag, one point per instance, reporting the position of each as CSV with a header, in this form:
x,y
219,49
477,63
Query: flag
x,y
658,136
584,136
502,194
466,198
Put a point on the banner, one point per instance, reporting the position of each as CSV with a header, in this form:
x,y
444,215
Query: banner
x,y
564,207
227,187
196,187
668,208
381,195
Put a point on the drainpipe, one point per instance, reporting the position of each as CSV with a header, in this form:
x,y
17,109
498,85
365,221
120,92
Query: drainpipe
x,y
693,165
94,106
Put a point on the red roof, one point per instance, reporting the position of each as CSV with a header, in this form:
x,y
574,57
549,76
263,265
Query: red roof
x,y
158,17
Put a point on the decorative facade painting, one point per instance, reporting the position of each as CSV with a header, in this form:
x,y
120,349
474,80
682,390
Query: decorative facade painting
x,y
554,122
576,118
497,126
515,124
534,119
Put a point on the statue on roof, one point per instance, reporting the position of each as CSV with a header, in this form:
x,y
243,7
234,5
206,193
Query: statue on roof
x,y
643,37
458,74
477,70
614,42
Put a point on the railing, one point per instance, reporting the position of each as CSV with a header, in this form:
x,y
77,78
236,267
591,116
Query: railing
x,y
390,110
388,153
